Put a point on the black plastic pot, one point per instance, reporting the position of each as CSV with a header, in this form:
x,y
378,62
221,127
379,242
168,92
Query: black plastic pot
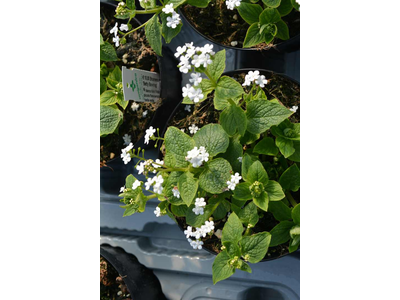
x,y
140,281
290,45
112,176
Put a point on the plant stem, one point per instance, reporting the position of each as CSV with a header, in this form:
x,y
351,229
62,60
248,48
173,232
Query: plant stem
x,y
291,199
210,77
152,196
150,11
133,30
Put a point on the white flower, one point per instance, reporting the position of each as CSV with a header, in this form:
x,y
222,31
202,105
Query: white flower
x,y
200,202
207,227
202,59
187,108
136,184
180,50
122,189
140,167
114,30
157,212
116,40
199,233
193,129
149,133
157,163
234,43
184,65
250,77
185,90
196,156
240,158
126,157
294,108
234,181
169,8
188,232
196,244
158,180
127,139
191,50
135,106
261,81
174,20
195,94
176,192
198,210
124,27
145,114
231,4
196,78
149,183
208,49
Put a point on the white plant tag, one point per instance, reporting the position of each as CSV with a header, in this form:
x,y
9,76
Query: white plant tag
x,y
141,86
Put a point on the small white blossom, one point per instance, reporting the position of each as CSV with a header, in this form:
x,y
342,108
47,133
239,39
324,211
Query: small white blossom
x,y
135,106
261,81
199,207
196,244
218,233
294,108
116,40
197,156
234,181
202,59
200,202
193,129
240,158
149,133
174,20
157,188
231,4
185,90
196,78
114,30
124,27
140,167
127,139
126,157
145,113
176,192
208,49
188,232
198,210
157,212
187,108
136,184
184,65
149,183
208,226
157,163
180,50
195,94
122,189
169,8
251,77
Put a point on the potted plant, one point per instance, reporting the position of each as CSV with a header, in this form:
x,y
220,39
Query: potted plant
x,y
258,24
233,187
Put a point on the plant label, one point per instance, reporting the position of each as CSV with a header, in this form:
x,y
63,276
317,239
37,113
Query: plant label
x,y
141,86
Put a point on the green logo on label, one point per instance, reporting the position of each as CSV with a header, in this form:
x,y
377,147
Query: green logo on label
x,y
133,86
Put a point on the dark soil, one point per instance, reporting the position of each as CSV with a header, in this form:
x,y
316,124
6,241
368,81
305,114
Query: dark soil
x,y
136,53
225,26
112,286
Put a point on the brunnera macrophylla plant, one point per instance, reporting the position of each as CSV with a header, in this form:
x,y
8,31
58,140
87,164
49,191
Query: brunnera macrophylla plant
x,y
231,173
264,18
165,23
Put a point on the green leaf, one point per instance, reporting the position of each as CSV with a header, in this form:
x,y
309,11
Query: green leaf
x,y
197,220
109,97
285,146
234,151
290,179
296,214
233,119
247,161
249,12
296,155
187,186
232,231
149,4
272,3
266,146
130,209
269,15
222,209
110,118
221,268
262,114
199,3
115,76
103,85
283,30
232,248
213,179
245,267
293,248
227,88
179,210
207,86
176,3
295,5
295,231
249,138
153,34
107,52
131,4
285,8
242,191
274,191
262,201
168,32
101,40
280,210
253,36
280,233
170,183
213,137
177,145
218,65
129,181
287,130
121,101
257,173
255,246
248,215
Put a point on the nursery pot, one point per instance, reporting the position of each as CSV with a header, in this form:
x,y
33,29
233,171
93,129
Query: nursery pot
x,y
140,281
112,176
292,44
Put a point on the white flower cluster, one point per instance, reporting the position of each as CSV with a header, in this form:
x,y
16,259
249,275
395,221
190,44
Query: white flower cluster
x,y
199,206
157,212
122,189
175,19
156,182
176,193
234,181
231,4
194,94
147,165
294,108
136,184
196,156
114,30
193,129
127,139
255,77
198,233
126,157
149,133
